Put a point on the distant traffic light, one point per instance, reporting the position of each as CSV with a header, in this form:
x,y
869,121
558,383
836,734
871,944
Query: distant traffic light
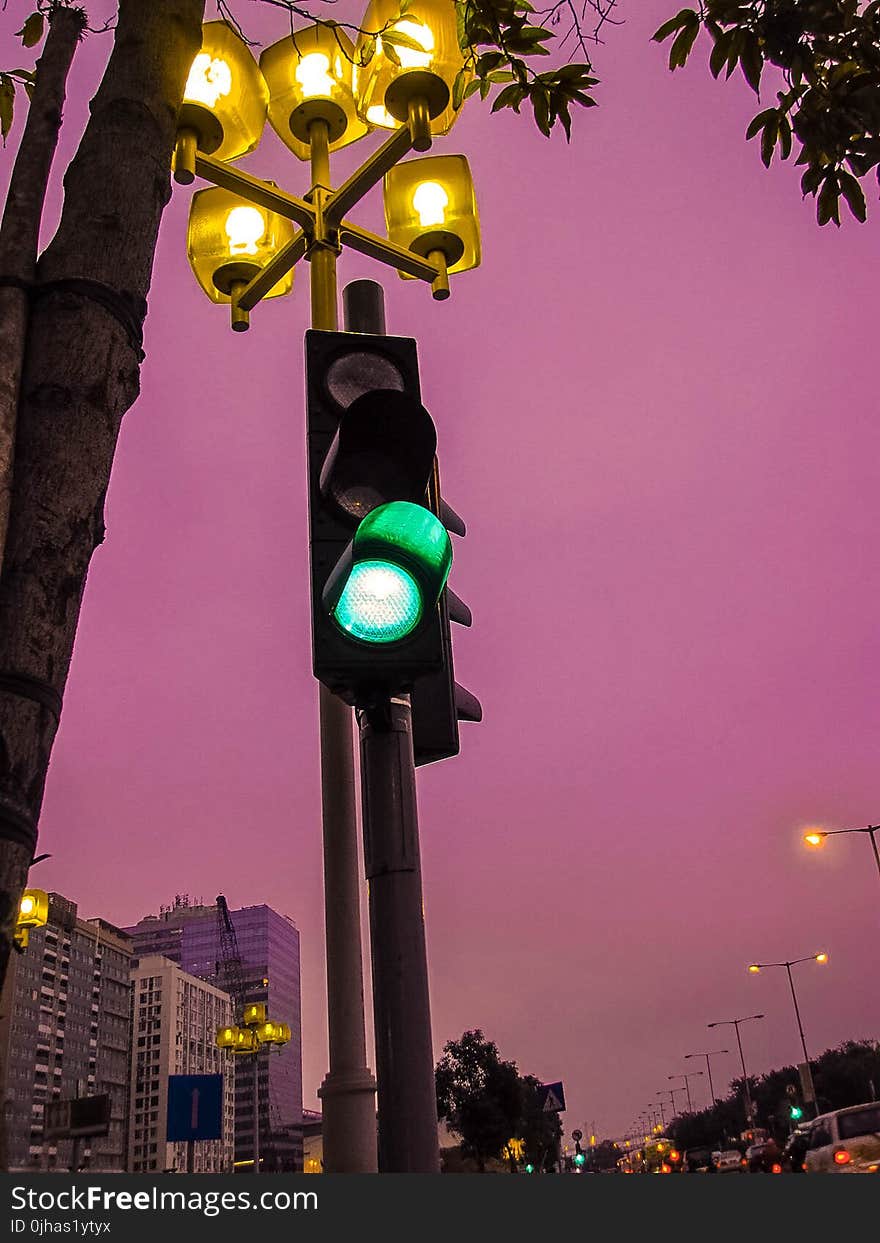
x,y
795,1113
530,1169
580,1159
379,556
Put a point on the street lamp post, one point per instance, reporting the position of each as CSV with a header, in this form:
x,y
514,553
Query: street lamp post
x,y
707,1055
756,967
692,1075
248,1038
816,838
245,250
750,1118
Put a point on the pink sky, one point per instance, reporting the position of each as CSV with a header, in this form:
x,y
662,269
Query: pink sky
x,y
656,410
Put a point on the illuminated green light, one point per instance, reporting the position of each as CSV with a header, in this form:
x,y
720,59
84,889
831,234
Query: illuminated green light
x,y
380,602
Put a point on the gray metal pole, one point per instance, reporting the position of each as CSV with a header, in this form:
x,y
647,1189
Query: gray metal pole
x,y
711,1088
408,1139
749,1111
348,1092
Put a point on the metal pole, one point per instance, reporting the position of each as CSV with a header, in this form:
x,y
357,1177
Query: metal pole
x,y
687,1088
711,1088
871,833
408,1139
348,1092
797,1014
749,1116
256,1112
190,1156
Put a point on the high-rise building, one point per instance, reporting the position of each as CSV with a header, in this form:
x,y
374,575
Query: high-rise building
x,y
64,1032
174,1021
268,943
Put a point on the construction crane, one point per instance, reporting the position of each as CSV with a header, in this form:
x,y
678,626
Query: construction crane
x,y
229,966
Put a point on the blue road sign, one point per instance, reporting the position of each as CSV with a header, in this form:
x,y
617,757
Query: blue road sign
x,y
195,1107
552,1097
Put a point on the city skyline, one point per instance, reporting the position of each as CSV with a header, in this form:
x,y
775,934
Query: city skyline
x,y
655,408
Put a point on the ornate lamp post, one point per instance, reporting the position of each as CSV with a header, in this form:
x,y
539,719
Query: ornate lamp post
x,y
249,1038
320,94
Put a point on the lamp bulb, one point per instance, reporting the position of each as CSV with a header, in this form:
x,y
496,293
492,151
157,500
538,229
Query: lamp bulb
x,y
244,228
208,80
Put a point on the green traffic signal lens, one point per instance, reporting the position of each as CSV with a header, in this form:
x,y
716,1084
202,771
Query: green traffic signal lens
x,y
380,602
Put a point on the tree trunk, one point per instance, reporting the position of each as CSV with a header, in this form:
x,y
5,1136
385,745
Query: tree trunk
x,y
80,375
20,227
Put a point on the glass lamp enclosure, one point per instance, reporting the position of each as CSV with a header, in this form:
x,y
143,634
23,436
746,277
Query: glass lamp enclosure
x,y
430,205
310,76
429,23
225,98
229,239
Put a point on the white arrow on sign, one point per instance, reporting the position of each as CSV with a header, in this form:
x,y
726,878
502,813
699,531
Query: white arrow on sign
x,y
194,1113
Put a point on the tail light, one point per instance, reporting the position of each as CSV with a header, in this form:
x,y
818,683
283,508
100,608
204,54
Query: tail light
x,y
743,1161
842,1157
665,1169
775,1169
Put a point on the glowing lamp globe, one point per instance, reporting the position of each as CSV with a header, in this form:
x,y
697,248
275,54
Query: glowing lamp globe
x,y
430,206
230,240
245,1041
416,57
282,1033
225,98
823,957
814,838
310,76
754,968
33,910
254,1014
227,1037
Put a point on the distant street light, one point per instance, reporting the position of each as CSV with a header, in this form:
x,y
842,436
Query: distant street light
x,y
822,958
692,1075
750,1119
707,1055
816,838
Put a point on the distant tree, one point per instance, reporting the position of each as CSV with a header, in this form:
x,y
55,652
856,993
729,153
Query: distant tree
x,y
479,1096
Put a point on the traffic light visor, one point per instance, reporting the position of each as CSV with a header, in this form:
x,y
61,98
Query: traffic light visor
x,y
392,573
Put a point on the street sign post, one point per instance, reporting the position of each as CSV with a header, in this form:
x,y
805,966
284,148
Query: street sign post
x,y
195,1111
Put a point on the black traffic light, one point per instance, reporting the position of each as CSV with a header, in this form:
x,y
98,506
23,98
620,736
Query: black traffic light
x,y
379,555
438,701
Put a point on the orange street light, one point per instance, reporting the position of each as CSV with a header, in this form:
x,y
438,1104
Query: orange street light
x,y
816,837
821,957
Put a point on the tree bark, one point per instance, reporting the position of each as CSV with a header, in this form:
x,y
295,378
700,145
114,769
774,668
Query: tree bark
x,y
20,226
80,375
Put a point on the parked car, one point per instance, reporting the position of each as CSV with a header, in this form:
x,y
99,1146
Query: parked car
x,y
731,1161
699,1161
845,1141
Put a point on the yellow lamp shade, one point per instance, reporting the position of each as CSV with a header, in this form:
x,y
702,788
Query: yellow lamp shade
x,y
227,1037
417,56
282,1033
33,910
225,98
310,77
230,240
254,1014
430,206
245,1041
266,1032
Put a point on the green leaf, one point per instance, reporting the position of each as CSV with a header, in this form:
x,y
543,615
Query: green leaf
x,y
784,137
7,103
390,51
510,97
720,52
854,196
473,85
758,122
32,31
768,139
458,88
684,18
565,117
682,44
828,205
398,38
752,63
541,109
485,87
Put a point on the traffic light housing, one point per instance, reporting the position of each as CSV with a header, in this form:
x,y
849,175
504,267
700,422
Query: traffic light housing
x,y
379,555
795,1113
438,701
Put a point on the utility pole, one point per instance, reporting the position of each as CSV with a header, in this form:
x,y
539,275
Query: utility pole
x,y
408,1140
